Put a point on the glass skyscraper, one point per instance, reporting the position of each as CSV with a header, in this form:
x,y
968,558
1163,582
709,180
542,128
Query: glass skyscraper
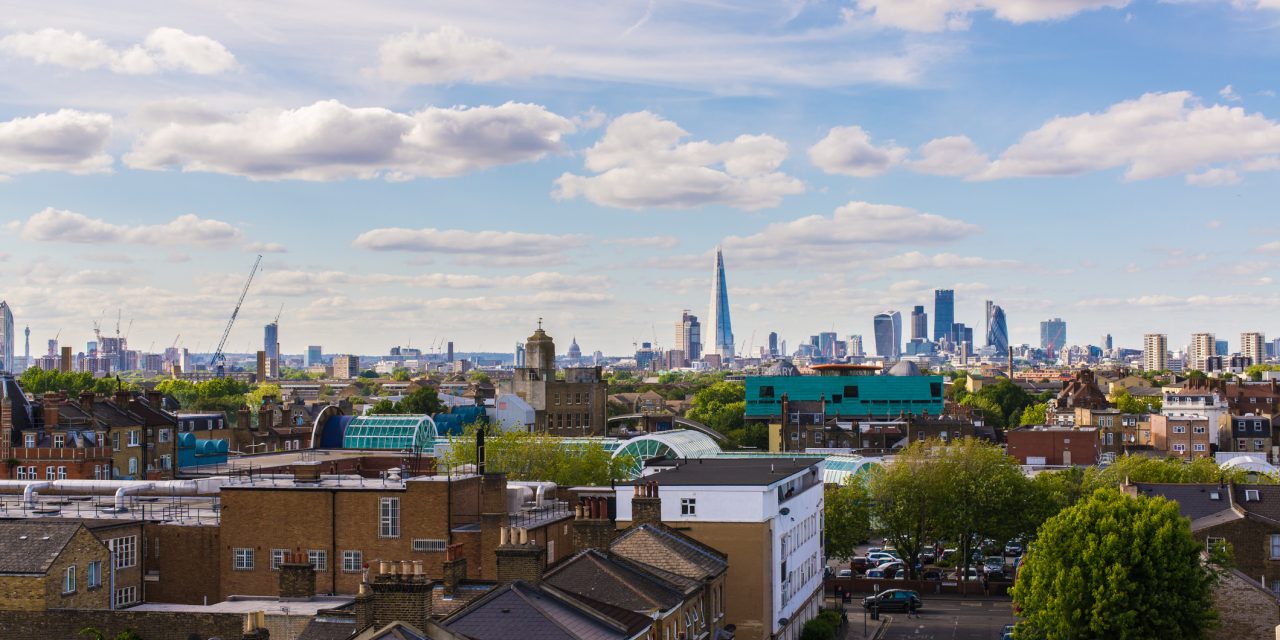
x,y
888,330
6,337
944,314
1053,335
997,329
718,319
919,323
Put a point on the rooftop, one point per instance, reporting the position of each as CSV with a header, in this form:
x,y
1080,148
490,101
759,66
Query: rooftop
x,y
759,472
249,604
30,547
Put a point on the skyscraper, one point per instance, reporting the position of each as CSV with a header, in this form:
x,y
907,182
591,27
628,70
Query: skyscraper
x,y
26,351
1252,345
6,337
855,346
718,319
314,355
919,323
773,344
1107,343
997,329
1155,352
271,345
888,332
689,336
1203,345
827,344
944,314
1053,335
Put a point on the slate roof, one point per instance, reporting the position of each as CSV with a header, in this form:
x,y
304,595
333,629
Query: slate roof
x,y
759,472
394,631
1267,505
670,551
529,612
318,629
30,547
1194,500
617,581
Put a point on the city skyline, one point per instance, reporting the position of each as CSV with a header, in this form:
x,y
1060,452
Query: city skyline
x,y
849,159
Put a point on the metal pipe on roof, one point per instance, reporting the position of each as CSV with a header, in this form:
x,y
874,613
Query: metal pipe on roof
x,y
120,493
28,492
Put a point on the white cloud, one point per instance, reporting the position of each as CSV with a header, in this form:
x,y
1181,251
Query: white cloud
x,y
1156,135
1229,93
849,151
660,242
457,241
641,162
265,247
539,280
449,55
916,260
55,225
1270,247
165,49
950,156
67,140
943,15
331,141
1213,178
853,225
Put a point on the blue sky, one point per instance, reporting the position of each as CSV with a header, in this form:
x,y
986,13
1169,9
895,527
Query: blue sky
x,y
458,171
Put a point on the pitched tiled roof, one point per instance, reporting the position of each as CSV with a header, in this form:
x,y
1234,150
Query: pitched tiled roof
x,y
1267,506
468,592
1195,501
616,581
29,547
328,630
528,612
669,550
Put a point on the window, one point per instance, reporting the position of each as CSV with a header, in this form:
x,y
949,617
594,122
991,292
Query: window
x,y
166,461
50,473
124,551
1199,446
1180,448
352,561
766,391
134,438
390,518
1199,430
242,559
688,506
94,574
1111,438
30,440
1257,425
555,399
126,596
62,473
318,558
850,391
1257,445
69,580
278,557
1177,428
115,440
133,466
428,544
164,435
22,473
31,473
1251,495
1275,546
59,440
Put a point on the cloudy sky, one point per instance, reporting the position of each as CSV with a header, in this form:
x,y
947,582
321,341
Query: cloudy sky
x,y
414,173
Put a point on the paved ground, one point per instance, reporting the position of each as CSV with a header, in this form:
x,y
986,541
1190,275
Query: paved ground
x,y
946,619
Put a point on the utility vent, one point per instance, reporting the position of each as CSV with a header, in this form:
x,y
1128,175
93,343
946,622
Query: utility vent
x,y
1213,495
426,544
1251,495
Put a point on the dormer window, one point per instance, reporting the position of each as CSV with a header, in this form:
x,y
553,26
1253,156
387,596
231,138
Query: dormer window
x,y
1251,495
1214,495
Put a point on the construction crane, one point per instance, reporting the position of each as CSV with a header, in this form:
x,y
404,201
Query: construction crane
x,y
175,341
219,360
277,320
97,327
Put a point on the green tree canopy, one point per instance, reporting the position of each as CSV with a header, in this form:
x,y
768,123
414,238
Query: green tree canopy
x,y
908,501
261,392
535,456
722,406
848,517
423,400
384,407
1163,470
37,381
1127,403
1035,414
1115,567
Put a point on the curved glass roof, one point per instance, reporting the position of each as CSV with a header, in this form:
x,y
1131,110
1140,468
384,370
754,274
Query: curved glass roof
x,y
840,468
398,433
678,443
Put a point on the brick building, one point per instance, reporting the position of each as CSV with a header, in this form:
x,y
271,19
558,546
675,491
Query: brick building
x,y
1186,436
566,402
52,565
1251,433
1053,445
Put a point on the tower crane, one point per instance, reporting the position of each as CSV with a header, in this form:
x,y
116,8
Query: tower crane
x,y
219,360
277,320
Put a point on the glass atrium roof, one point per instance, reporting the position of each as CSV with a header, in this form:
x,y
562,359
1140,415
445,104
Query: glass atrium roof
x,y
397,433
678,443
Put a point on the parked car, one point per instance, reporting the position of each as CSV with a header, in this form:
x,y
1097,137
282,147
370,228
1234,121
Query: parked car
x,y
993,564
928,557
971,574
879,558
892,566
875,574
1013,548
845,573
931,574
859,565
872,550
948,554
1007,632
893,600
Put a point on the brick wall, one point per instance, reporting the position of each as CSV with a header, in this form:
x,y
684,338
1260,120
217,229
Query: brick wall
x,y
83,549
184,564
395,597
1250,545
1245,609
60,624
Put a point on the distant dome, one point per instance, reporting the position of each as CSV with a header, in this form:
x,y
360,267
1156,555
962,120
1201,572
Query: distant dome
x,y
574,350
904,369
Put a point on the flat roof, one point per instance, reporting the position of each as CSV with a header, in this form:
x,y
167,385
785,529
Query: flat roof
x,y
249,604
91,510
757,472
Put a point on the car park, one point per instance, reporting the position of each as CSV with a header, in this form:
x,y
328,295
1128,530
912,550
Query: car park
x,y
1007,632
1013,548
893,600
879,558
845,573
993,564
875,574
859,565
931,574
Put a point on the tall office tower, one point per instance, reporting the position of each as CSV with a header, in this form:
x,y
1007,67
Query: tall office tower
x,y
53,349
185,362
997,329
271,347
1155,352
6,337
718,320
1202,346
919,323
1275,347
1107,343
944,314
855,346
773,344
1053,335
450,356
519,356
888,332
962,333
689,336
827,344
1253,345
1220,348
315,355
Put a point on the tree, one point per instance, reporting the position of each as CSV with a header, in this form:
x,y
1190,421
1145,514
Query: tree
x,y
721,406
1049,492
423,400
401,375
37,381
1113,566
384,407
983,490
478,377
1035,414
1166,470
1126,403
260,393
908,501
818,629
536,456
848,517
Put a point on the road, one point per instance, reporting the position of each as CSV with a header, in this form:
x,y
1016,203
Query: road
x,y
950,619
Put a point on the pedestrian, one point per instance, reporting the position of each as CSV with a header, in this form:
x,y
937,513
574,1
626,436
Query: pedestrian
x,y
912,610
986,585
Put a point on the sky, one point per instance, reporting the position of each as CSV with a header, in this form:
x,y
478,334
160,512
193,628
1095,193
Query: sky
x,y
414,172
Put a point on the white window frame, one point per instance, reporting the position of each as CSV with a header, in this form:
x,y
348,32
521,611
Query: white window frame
x,y
1274,539
1199,446
93,575
389,518
50,473
69,580
278,556
59,440
318,558
22,472
688,506
126,596
135,438
62,473
29,440
1180,448
124,551
242,559
352,561
1177,428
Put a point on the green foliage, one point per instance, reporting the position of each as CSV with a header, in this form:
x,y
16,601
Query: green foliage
x,y
401,375
478,377
261,392
1254,372
818,629
1049,493
907,500
384,407
1168,470
754,435
423,400
1115,567
1126,403
536,456
218,394
1035,414
37,381
369,373
721,406
848,517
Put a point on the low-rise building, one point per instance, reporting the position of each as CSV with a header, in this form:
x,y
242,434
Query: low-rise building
x,y
1186,436
1249,433
53,564
1045,445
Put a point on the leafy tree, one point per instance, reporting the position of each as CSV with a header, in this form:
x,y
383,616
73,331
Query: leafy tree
x,y
848,517
536,456
1126,403
1254,372
401,375
908,501
1035,414
479,377
37,381
721,406
818,629
990,410
384,407
982,492
1167,470
1115,567
753,435
262,392
370,373
423,400
1048,493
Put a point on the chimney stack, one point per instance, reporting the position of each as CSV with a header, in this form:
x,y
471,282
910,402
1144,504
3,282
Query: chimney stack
x,y
399,591
519,557
155,399
592,528
51,402
646,506
297,578
454,567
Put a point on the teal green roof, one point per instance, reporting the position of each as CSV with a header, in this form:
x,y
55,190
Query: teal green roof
x,y
393,432
847,395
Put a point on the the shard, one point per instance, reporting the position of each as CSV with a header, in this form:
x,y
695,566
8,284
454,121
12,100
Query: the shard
x,y
718,319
